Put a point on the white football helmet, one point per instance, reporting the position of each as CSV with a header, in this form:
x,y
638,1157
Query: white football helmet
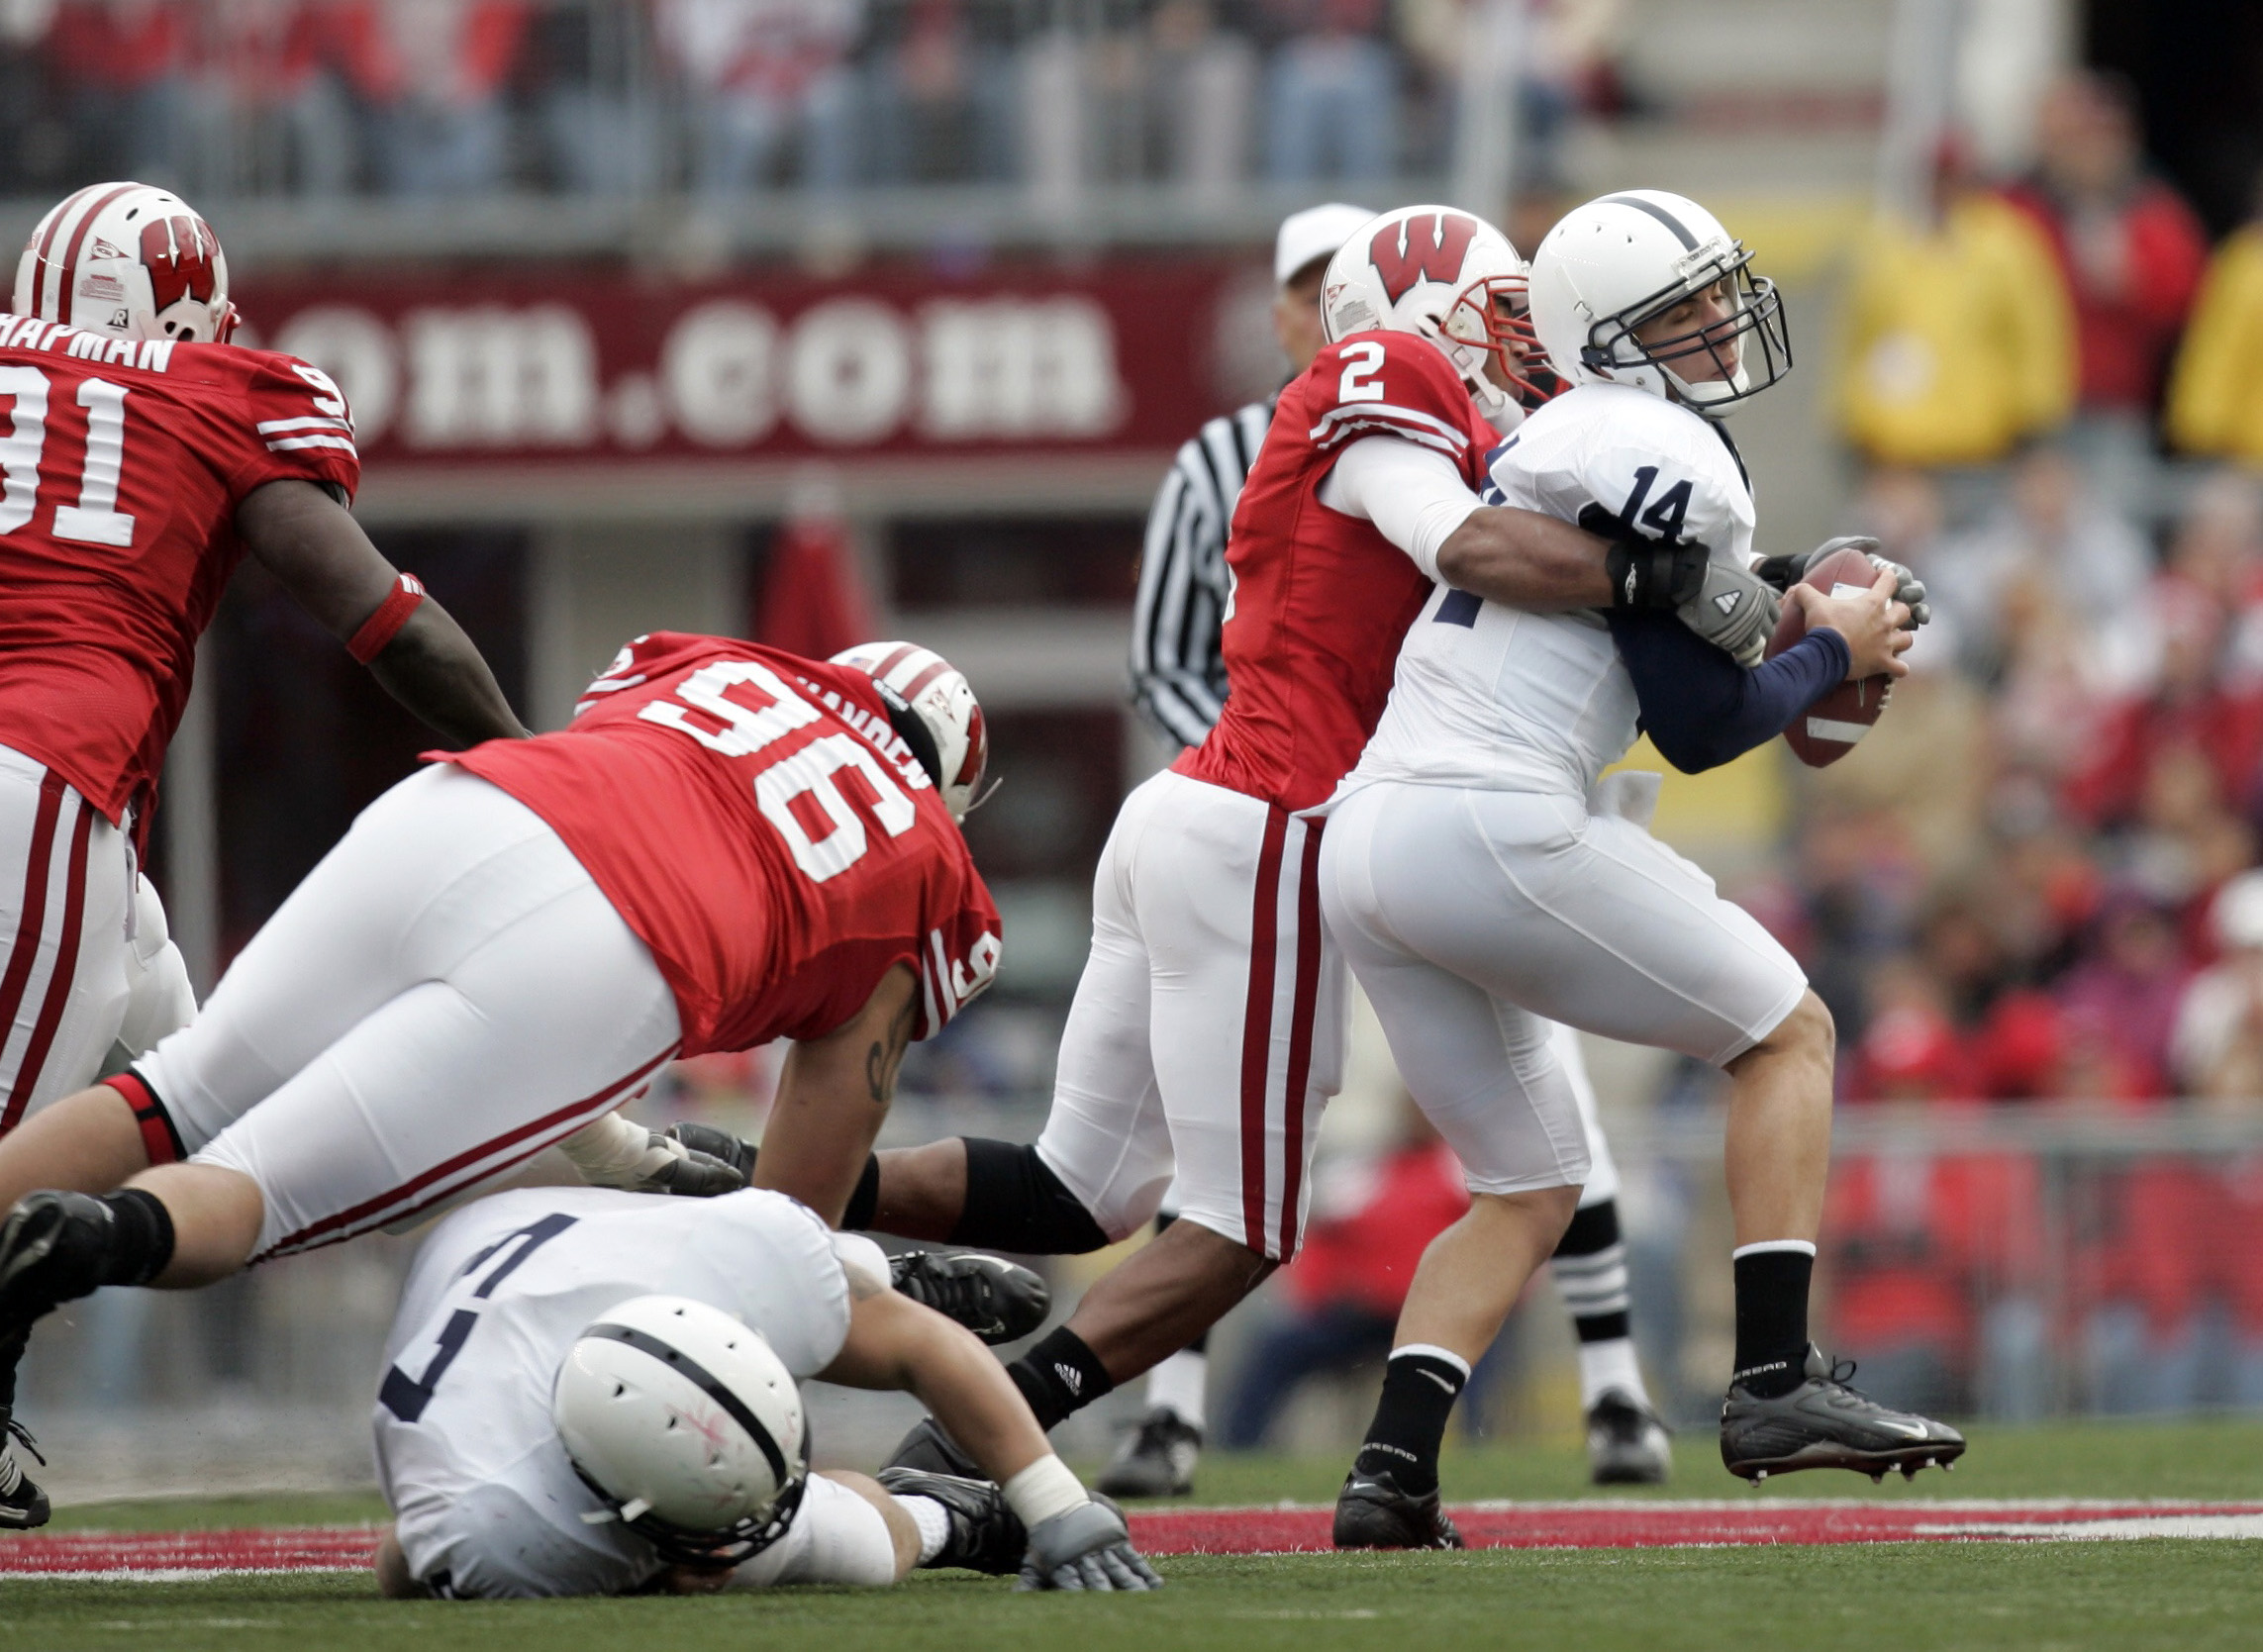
x,y
1623,259
1448,276
934,710
130,260
688,1426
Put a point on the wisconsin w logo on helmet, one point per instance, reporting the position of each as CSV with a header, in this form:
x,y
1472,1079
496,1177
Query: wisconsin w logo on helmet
x,y
1433,252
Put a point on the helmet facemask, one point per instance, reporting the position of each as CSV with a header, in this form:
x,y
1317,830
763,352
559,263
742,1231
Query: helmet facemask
x,y
1755,319
1494,315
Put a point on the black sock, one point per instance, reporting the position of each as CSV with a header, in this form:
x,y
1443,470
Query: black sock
x,y
1772,1320
1589,1266
1419,1392
12,1346
140,1238
1059,1376
865,1202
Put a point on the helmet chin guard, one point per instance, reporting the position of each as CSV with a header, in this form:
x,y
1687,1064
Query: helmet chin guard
x,y
1617,263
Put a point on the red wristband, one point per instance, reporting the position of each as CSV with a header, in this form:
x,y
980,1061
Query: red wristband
x,y
384,625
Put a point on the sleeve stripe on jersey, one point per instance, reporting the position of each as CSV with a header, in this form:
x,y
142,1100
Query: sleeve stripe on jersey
x,y
1372,415
292,444
1355,427
316,421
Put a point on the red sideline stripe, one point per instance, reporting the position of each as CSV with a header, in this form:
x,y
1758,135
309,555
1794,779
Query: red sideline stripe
x,y
1599,1524
1643,1525
1257,1027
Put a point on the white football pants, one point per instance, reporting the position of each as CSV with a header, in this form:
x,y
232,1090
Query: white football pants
x,y
89,963
1206,1033
447,994
1473,918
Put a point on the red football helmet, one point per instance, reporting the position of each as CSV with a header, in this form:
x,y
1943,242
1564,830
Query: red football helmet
x,y
130,260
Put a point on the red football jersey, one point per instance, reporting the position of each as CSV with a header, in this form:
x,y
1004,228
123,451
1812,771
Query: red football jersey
x,y
765,832
121,466
1321,601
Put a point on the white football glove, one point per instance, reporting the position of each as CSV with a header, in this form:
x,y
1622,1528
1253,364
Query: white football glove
x,y
1734,610
1086,1548
1784,572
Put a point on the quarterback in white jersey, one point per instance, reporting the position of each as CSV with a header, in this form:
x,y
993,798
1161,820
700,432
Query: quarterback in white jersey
x,y
490,1502
1480,875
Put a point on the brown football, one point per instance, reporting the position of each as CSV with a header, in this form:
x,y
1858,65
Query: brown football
x,y
1829,730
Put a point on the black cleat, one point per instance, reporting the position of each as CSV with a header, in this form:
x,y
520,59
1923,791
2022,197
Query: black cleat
x,y
1824,1424
1372,1512
1156,1460
22,1504
930,1449
985,1535
988,1295
1627,1443
51,1250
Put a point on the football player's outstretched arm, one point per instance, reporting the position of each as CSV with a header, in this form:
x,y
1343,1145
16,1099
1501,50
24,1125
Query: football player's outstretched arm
x,y
834,1095
309,541
896,1343
1074,1542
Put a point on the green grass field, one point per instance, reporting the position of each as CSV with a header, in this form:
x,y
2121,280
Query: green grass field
x,y
2184,1594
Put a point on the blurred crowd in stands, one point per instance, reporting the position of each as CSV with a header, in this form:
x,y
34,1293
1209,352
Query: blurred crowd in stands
x,y
457,97
2036,886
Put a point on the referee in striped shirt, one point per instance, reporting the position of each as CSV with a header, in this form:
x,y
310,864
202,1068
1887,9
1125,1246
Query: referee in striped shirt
x,y
1178,683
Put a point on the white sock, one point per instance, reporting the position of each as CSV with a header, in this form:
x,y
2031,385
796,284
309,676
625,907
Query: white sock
x,y
837,1537
934,1522
1179,1383
1608,1365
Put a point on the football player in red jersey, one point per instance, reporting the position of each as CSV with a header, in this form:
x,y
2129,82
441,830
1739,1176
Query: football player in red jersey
x,y
729,845
1206,1034
140,458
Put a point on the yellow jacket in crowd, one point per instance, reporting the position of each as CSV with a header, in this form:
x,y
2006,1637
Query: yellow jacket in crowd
x,y
2215,398
1956,342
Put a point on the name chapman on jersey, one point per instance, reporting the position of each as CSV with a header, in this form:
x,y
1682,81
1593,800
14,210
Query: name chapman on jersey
x,y
30,332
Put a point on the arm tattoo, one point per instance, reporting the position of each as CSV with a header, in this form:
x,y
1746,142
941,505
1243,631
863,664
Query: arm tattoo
x,y
886,1055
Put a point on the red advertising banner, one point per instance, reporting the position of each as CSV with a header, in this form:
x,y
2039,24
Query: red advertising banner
x,y
555,364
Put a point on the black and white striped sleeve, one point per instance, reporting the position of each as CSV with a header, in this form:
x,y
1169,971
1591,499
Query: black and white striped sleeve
x,y
1178,680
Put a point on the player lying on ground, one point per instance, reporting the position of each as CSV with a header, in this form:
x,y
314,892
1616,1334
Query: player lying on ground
x,y
589,1392
143,456
1207,1032
1179,682
729,845
1480,878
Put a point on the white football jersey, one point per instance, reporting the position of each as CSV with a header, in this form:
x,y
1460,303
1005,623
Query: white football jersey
x,y
1494,698
485,1499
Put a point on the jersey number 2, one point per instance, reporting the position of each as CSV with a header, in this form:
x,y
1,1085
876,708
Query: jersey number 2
x,y
1361,362
95,520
